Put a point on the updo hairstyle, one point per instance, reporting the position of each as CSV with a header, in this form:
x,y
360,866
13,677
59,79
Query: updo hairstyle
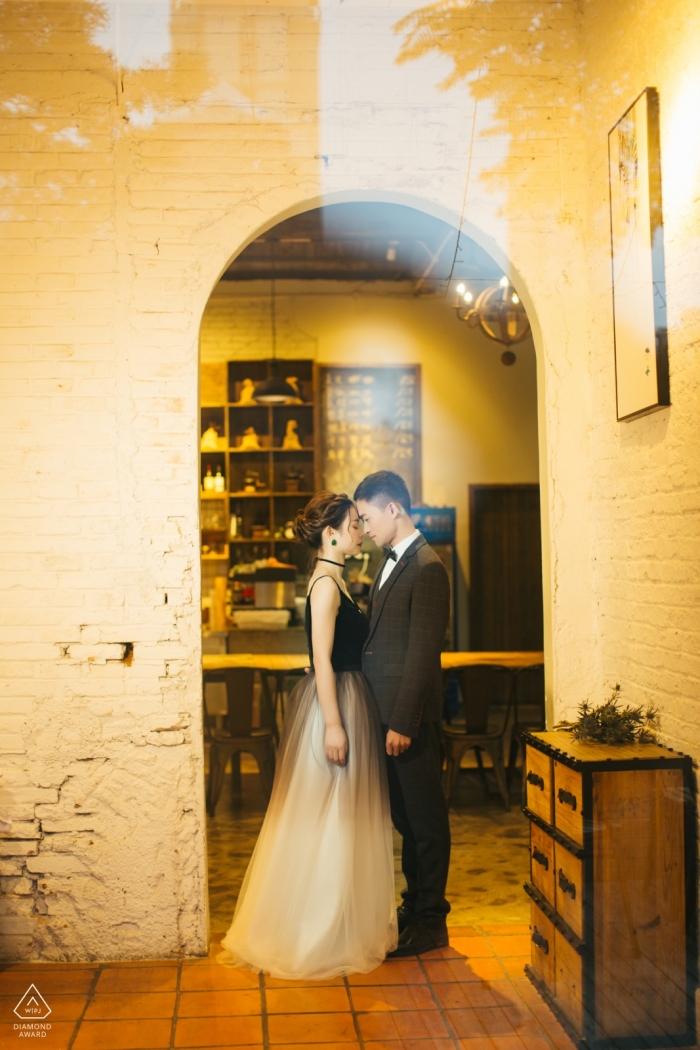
x,y
323,510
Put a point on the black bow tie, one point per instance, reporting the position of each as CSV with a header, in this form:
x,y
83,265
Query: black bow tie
x,y
390,553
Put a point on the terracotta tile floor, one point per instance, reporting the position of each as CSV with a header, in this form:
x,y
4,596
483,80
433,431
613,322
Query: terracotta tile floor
x,y
472,995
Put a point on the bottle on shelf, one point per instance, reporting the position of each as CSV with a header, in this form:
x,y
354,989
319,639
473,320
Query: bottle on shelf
x,y
219,481
208,482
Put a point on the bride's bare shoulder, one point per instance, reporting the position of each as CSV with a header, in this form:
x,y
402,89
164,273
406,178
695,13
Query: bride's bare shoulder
x,y
322,587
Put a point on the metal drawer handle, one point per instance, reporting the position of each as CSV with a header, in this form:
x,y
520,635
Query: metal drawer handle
x,y
566,798
565,886
535,780
540,858
539,941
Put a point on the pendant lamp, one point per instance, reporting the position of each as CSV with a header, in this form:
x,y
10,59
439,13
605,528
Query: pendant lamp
x,y
498,311
274,391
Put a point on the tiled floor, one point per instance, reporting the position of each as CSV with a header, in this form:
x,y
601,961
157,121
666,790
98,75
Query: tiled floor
x,y
471,996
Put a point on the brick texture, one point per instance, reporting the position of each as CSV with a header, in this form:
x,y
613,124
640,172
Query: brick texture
x,y
127,187
647,472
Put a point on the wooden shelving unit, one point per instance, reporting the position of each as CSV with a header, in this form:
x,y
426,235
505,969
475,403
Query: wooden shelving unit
x,y
263,514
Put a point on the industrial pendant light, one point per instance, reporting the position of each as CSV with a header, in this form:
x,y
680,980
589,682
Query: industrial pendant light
x,y
274,391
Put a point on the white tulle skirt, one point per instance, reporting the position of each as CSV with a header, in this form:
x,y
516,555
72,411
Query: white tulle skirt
x,y
318,896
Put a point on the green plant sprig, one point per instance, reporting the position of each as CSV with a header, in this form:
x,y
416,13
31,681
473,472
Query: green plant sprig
x,y
610,723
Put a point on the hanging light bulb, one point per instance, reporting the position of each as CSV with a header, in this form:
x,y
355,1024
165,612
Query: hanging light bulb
x,y
504,282
514,298
461,288
468,297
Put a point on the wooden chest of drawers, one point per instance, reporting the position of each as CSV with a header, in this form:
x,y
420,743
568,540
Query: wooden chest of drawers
x,y
612,888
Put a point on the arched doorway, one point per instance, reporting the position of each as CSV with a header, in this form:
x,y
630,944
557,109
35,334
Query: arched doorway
x,y
362,285
495,247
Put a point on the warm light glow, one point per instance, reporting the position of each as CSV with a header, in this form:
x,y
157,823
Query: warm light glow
x,y
504,282
461,289
514,298
681,162
468,297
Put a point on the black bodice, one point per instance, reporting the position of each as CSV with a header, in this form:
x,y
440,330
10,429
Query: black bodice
x,y
351,630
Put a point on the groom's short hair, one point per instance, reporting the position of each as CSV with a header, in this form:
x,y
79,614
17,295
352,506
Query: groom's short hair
x,y
384,487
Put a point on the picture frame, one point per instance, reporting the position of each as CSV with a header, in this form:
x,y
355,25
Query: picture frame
x,y
637,257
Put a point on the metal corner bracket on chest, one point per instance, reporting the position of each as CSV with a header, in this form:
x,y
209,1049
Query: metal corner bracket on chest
x,y
613,890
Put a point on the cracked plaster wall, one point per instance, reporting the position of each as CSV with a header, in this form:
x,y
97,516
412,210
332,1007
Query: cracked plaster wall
x,y
126,191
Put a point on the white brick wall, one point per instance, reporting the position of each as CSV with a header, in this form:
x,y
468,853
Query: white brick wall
x,y
125,193
647,472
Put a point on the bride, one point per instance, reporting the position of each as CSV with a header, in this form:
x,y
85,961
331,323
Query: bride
x,y
318,896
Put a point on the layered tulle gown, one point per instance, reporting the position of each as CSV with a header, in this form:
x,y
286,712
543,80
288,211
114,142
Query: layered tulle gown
x,y
318,899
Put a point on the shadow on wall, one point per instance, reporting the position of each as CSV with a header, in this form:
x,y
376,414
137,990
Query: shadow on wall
x,y
174,66
507,64
110,41
156,62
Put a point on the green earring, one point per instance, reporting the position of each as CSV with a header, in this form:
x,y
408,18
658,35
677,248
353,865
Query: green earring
x,y
334,543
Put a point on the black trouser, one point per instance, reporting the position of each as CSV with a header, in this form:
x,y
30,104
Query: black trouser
x,y
419,813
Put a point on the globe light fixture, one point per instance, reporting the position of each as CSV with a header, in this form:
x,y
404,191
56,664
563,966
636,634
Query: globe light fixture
x,y
498,311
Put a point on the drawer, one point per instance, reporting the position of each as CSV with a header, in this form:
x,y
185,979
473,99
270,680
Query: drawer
x,y
568,878
568,801
542,947
569,980
542,863
538,783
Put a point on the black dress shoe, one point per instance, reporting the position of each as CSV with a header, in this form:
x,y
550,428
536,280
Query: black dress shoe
x,y
405,917
417,939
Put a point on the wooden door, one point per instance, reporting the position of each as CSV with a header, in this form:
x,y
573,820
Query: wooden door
x,y
505,567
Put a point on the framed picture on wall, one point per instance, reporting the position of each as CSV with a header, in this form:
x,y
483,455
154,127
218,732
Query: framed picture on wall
x,y
639,285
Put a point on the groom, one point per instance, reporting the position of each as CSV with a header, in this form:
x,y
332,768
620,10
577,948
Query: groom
x,y
409,608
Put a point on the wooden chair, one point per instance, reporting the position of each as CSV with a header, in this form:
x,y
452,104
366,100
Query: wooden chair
x,y
529,709
238,734
215,706
483,686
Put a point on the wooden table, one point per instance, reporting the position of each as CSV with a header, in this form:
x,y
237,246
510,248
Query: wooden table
x,y
287,662
503,659
281,664
277,662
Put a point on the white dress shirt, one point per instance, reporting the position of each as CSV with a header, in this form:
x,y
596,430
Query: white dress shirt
x,y
400,549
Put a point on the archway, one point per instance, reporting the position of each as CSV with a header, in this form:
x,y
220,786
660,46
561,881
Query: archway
x,y
499,253
258,264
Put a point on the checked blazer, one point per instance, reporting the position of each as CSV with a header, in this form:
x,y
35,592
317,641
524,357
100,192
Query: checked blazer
x,y
408,620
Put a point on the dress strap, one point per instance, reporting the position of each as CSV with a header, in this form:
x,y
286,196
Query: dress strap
x,y
326,576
